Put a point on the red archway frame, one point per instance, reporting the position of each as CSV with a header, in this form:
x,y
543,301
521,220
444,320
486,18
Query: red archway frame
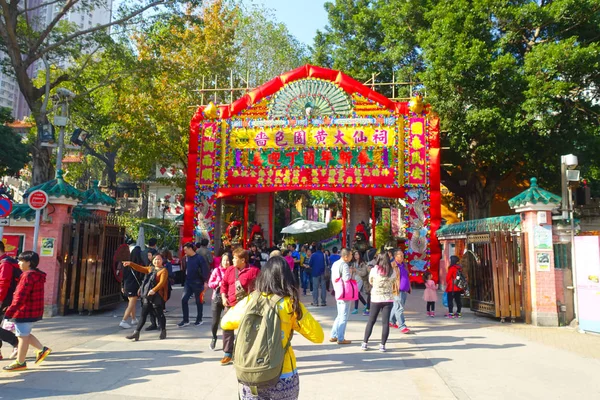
x,y
349,85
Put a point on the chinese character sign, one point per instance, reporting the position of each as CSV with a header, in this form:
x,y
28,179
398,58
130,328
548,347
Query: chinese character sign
x,y
315,136
416,150
207,155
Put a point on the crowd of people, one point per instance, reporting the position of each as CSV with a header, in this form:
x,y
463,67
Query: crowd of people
x,y
240,280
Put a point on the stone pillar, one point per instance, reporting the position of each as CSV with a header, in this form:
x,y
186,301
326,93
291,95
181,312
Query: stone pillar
x,y
360,210
535,206
56,216
262,214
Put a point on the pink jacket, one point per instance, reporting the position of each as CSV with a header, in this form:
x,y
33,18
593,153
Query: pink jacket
x,y
216,277
430,291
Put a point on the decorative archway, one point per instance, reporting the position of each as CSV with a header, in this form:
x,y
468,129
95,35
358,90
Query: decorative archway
x,y
318,129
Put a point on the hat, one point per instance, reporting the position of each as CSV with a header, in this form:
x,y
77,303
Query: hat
x,y
454,260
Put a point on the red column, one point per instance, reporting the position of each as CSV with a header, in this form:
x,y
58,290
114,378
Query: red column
x,y
344,220
373,219
245,234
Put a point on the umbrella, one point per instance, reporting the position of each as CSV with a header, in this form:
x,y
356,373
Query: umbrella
x,y
141,240
304,226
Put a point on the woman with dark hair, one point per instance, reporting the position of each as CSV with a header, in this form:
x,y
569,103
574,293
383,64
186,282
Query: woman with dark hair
x,y
154,292
26,308
217,308
382,278
130,287
277,279
363,272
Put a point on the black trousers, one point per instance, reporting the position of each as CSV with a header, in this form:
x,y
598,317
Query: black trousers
x,y
430,306
366,303
386,310
8,337
454,297
217,309
147,308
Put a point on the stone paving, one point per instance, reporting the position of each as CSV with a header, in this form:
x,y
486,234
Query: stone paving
x,y
469,358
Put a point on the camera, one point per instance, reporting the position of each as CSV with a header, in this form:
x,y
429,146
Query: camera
x,y
65,93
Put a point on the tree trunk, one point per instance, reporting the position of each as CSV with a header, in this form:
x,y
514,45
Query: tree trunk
x,y
111,171
479,197
42,168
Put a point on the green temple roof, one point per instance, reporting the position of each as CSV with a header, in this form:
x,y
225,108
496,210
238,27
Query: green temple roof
x,y
533,195
58,188
22,211
495,224
96,196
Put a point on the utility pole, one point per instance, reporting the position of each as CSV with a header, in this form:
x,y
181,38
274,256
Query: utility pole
x,y
61,121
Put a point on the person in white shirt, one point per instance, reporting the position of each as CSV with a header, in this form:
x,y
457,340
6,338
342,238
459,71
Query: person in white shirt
x,y
341,269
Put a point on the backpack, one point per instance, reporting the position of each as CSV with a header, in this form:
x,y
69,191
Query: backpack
x,y
259,353
460,281
16,275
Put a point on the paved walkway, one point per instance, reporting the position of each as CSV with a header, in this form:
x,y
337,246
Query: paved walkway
x,y
470,358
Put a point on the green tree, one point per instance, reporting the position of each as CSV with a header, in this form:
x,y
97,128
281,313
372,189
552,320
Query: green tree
x,y
14,154
28,39
515,83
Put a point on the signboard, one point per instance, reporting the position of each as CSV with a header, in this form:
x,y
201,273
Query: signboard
x,y
4,221
542,237
6,206
542,261
48,247
37,200
13,244
587,257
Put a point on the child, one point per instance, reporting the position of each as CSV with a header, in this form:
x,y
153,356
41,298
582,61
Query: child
x,y
430,295
27,307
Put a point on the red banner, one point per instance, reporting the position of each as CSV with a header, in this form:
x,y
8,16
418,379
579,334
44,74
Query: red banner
x,y
13,244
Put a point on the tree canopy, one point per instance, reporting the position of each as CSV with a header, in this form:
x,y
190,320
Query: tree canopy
x,y
515,82
14,154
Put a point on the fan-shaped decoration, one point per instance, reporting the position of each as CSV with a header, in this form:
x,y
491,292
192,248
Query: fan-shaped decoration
x,y
312,97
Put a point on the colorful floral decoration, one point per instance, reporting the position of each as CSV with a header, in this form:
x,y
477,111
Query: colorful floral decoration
x,y
318,129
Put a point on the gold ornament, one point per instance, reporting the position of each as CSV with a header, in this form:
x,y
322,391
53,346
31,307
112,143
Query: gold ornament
x,y
416,104
211,111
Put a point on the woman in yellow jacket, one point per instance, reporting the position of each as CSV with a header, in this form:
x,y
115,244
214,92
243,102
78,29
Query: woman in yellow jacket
x,y
154,293
276,279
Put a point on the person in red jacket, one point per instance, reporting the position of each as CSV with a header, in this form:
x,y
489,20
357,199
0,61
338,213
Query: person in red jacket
x,y
28,307
454,292
9,276
232,292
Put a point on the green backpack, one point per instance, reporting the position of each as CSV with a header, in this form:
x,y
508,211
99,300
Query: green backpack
x,y
259,353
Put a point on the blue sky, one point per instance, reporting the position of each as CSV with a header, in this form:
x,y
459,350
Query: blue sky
x,y
302,17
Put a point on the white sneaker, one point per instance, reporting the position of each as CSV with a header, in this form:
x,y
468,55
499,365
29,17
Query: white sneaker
x,y
124,325
134,321
382,348
14,353
363,346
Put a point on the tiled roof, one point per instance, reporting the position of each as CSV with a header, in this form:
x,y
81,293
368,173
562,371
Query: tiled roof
x,y
22,211
534,195
96,196
495,224
58,188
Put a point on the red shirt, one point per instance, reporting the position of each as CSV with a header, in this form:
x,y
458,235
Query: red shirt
x,y
451,277
28,301
246,276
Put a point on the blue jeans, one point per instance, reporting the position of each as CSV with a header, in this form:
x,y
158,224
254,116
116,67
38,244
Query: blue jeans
x,y
305,280
319,282
398,310
338,330
189,289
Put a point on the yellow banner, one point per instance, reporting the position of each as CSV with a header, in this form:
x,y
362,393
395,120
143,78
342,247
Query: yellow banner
x,y
330,136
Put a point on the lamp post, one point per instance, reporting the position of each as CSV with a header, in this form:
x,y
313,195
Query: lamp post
x,y
569,174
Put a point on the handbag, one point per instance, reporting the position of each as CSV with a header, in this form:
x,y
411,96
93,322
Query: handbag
x,y
240,292
345,290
